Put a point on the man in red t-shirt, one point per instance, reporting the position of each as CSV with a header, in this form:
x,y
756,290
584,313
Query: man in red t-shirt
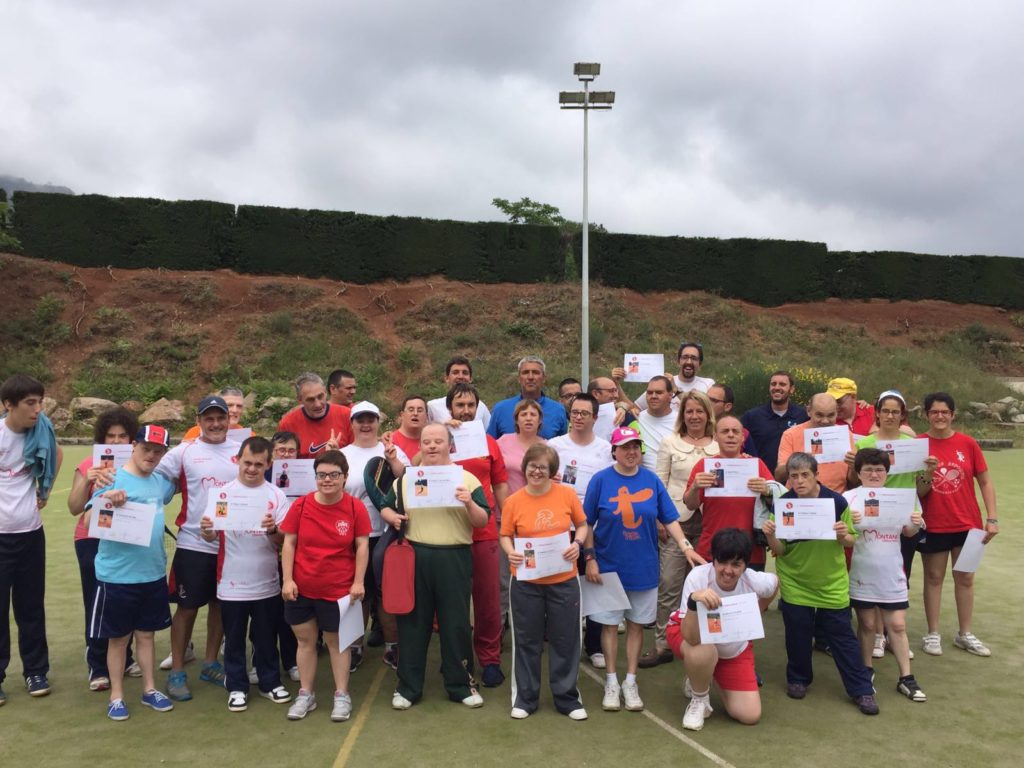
x,y
411,420
731,511
462,402
319,424
854,413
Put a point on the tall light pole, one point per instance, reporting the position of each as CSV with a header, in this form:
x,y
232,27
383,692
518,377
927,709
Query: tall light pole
x,y
586,100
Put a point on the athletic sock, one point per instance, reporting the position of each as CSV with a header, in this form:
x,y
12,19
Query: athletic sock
x,y
611,679
630,677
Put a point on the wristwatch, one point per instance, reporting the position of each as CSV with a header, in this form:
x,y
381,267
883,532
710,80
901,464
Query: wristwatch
x,y
588,554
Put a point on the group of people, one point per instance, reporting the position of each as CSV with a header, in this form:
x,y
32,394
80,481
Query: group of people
x,y
624,486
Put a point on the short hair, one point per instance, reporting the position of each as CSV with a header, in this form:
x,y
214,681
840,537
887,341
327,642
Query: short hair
x,y
460,388
669,384
696,345
521,406
284,436
19,386
306,378
938,397
451,437
256,446
730,544
410,398
337,458
569,380
728,396
115,417
872,456
537,451
231,392
532,359
780,372
801,460
335,376
457,360
704,403
586,397
727,417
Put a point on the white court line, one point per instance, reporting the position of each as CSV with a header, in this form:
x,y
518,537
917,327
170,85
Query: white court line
x,y
666,727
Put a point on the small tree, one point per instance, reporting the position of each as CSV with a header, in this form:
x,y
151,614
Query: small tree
x,y
528,211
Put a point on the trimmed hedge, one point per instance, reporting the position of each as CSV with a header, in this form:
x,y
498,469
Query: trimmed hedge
x,y
92,230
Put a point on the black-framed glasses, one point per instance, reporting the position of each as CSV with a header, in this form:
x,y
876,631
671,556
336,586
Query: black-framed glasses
x,y
329,475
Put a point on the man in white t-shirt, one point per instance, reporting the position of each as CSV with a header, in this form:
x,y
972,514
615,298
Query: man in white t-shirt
x,y
731,665
198,468
458,370
658,420
24,487
690,358
248,586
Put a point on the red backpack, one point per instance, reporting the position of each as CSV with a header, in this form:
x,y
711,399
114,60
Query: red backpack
x,y
398,584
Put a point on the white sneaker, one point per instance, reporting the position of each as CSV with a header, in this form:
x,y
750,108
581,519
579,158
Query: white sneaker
x,y
278,695
519,713
254,678
631,695
610,702
687,688
879,649
932,644
238,701
293,673
597,660
578,714
398,701
342,710
190,655
473,701
968,642
698,709
304,703
134,670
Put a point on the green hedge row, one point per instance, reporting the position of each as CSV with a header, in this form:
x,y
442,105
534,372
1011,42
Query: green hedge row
x,y
92,230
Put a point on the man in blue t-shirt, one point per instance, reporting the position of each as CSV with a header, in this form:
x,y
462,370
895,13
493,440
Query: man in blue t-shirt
x,y
531,387
131,592
767,422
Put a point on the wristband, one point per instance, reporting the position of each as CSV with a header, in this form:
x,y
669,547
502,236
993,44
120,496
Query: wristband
x,y
691,604
991,521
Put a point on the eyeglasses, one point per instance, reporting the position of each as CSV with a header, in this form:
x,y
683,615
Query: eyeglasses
x,y
538,468
873,470
947,414
716,401
580,414
329,475
890,412
285,453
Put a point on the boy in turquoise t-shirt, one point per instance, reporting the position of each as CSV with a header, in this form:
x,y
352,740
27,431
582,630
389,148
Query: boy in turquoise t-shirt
x,y
815,590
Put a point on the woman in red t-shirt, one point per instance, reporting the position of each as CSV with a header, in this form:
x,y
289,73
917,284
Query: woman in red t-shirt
x,y
324,557
114,427
950,511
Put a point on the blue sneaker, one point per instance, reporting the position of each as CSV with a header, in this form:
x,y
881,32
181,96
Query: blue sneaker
x,y
117,710
157,701
37,685
213,673
177,686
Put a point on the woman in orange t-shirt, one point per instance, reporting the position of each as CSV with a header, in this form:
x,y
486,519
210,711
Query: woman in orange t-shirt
x,y
545,591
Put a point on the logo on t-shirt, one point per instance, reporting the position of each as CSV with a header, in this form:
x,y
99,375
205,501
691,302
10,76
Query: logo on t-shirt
x,y
948,479
624,505
317,447
342,526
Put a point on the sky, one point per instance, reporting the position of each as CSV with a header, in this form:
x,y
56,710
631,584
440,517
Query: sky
x,y
862,124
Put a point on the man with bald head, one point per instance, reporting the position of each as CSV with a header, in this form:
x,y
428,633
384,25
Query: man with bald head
x,y
822,412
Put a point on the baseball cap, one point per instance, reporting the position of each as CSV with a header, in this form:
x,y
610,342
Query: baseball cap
x,y
624,435
153,433
364,406
213,401
841,388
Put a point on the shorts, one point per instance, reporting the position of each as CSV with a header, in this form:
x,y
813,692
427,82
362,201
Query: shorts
x,y
941,542
862,604
735,674
195,578
303,609
120,609
643,609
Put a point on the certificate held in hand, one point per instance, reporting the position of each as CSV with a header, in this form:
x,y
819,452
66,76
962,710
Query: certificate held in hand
x,y
805,519
827,444
131,523
239,509
738,618
542,557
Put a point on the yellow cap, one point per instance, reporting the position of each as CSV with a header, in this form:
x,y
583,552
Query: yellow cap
x,y
839,388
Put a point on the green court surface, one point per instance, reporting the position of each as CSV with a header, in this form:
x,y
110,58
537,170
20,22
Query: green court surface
x,y
973,716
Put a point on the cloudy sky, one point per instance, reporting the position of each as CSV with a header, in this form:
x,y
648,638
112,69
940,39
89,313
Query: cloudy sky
x,y
862,124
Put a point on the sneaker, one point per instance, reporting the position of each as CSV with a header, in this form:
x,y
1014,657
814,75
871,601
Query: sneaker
x,y
238,701
398,701
355,658
908,687
37,685
578,714
278,695
796,690
177,686
390,657
473,701
99,683
697,710
932,644
133,670
254,677
878,651
304,703
293,673
518,713
867,704
492,676
376,636
610,702
342,709
190,655
687,688
971,644
631,695
213,672
597,660
117,710
156,701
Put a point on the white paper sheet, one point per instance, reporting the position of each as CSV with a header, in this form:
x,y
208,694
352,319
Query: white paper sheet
x,y
971,553
351,627
732,476
827,443
240,509
433,486
605,424
111,457
543,557
643,367
607,596
805,519
904,455
887,508
738,618
131,523
293,476
470,441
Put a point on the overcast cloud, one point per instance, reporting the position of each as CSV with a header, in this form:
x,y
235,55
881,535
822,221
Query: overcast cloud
x,y
866,125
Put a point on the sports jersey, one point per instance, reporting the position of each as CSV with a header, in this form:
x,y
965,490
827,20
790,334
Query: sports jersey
x,y
719,512
356,484
578,463
197,467
325,548
19,511
952,507
529,516
247,560
490,471
314,434
876,569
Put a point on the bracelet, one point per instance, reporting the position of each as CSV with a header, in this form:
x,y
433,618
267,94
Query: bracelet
x,y
687,546
691,604
991,521
924,480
